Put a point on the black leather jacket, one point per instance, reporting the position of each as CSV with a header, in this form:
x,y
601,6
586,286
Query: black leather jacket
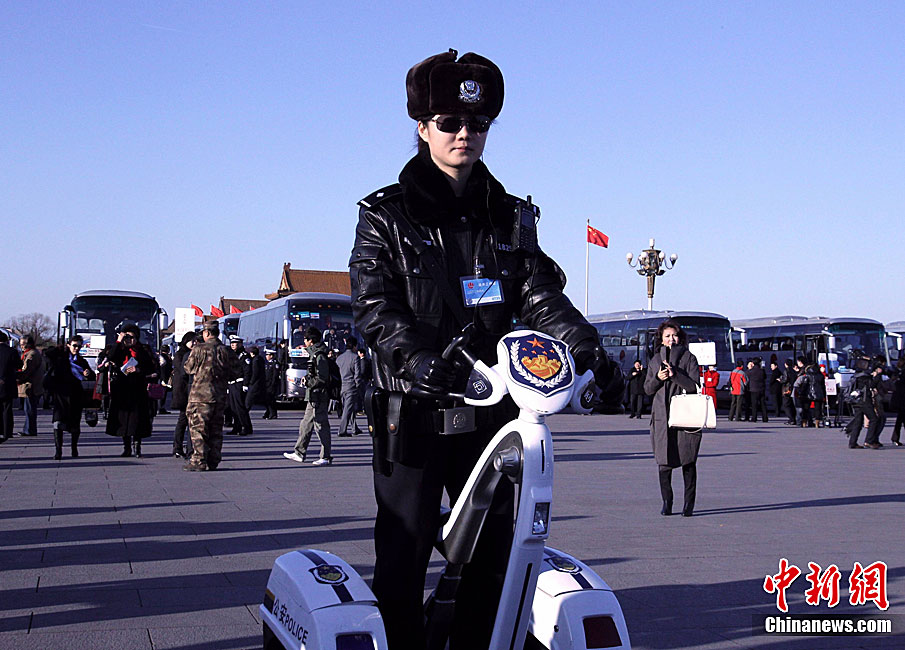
x,y
397,307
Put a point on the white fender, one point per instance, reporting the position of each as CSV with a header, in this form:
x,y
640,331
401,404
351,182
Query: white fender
x,y
315,600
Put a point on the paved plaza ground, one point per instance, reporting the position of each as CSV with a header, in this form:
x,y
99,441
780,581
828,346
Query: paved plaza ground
x,y
122,553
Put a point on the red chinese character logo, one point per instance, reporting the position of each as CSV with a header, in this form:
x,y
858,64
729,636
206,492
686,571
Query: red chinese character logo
x,y
780,582
868,583
824,586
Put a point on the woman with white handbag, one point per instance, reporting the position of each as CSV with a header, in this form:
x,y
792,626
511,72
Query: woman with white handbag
x,y
672,371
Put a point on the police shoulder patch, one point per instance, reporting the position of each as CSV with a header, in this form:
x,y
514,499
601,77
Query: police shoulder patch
x,y
376,198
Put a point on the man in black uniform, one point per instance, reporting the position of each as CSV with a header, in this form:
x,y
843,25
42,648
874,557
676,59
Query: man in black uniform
x,y
421,248
237,389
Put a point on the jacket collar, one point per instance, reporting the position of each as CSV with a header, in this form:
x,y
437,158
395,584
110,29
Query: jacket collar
x,y
429,198
675,353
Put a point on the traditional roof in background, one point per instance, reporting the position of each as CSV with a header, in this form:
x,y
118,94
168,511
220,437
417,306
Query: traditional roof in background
x,y
242,304
298,280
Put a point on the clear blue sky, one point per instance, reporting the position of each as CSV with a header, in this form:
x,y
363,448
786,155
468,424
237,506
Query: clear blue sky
x,y
188,149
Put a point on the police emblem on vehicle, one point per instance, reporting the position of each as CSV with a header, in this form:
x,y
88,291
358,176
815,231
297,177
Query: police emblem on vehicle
x,y
470,91
540,363
563,564
329,574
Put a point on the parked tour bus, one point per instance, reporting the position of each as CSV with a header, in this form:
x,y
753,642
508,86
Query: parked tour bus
x,y
287,318
831,342
99,315
630,335
229,326
894,338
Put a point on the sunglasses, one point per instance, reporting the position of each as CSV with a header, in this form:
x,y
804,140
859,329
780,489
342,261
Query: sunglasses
x,y
454,123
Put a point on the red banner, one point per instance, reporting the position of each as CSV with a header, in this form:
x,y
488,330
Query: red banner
x,y
217,312
234,310
198,311
598,238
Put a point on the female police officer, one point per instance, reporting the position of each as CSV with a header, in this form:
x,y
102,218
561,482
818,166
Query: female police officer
x,y
426,251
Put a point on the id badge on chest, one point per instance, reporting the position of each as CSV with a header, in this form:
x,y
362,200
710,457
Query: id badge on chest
x,y
480,291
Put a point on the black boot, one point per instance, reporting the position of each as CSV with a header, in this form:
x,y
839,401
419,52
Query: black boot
x,y
75,443
127,447
690,474
666,489
58,444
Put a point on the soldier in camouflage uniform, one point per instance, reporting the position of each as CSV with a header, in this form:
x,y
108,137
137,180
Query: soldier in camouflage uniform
x,y
213,366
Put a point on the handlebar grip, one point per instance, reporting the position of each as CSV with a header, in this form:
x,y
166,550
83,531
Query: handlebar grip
x,y
457,347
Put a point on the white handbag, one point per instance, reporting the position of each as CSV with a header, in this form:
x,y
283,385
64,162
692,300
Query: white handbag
x,y
692,411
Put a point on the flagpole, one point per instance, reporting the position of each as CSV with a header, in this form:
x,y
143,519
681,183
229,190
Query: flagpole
x,y
587,255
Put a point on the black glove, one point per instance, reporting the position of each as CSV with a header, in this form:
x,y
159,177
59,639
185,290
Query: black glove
x,y
431,374
610,382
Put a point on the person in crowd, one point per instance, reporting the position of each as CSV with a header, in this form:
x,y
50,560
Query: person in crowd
x,y
897,402
672,369
255,389
350,375
757,386
181,382
636,389
801,397
238,387
272,383
10,363
315,418
774,387
789,375
865,390
68,369
447,197
746,394
711,383
31,384
738,381
816,392
131,367
165,363
212,366
330,340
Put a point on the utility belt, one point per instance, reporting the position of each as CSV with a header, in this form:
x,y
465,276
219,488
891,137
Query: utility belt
x,y
404,427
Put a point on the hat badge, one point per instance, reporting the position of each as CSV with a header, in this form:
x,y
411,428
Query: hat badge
x,y
470,91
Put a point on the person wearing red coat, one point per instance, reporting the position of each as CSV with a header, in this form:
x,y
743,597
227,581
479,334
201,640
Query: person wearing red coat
x,y
711,381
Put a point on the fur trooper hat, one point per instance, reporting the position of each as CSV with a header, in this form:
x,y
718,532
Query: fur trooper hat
x,y
441,85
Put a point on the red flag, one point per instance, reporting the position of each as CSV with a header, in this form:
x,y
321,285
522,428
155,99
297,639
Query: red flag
x,y
217,312
598,238
198,311
234,310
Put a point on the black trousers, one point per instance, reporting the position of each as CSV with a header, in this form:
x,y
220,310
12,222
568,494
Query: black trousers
x,y
897,428
689,474
6,417
776,397
408,519
241,418
758,404
853,428
182,423
788,407
735,407
637,402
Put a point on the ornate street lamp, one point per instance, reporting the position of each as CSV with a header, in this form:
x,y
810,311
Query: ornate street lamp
x,y
651,262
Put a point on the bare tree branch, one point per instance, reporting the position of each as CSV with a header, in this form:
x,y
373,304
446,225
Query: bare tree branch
x,y
41,326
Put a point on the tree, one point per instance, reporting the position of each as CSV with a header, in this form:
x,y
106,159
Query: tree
x,y
41,326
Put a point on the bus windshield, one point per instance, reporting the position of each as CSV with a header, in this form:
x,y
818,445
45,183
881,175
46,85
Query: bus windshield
x,y
323,316
230,326
104,314
852,337
704,330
